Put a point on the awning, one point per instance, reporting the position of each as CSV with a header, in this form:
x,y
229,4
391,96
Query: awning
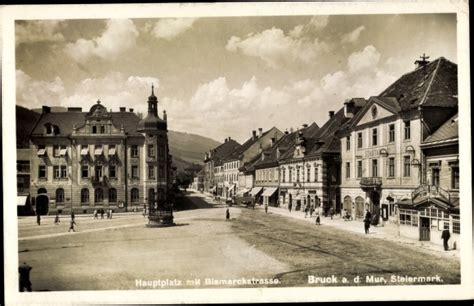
x,y
21,200
242,191
231,187
98,151
62,152
268,192
41,152
84,151
255,191
112,151
213,189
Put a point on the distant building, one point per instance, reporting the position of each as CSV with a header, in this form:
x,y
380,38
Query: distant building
x,y
382,162
83,161
23,182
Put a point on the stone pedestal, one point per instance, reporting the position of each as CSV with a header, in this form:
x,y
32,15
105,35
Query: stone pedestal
x,y
160,219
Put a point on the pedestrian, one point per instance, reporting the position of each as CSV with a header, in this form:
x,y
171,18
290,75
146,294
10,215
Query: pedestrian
x,y
38,219
318,220
111,212
227,214
144,212
102,213
445,235
290,206
71,225
311,211
24,270
306,209
331,212
96,214
367,218
266,208
56,219
72,215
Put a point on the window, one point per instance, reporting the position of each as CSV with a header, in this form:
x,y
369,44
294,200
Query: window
x,y
56,150
308,174
151,150
135,196
98,172
112,195
348,143
359,140
348,169
56,172
161,151
290,178
112,172
59,195
135,172
112,150
359,168
98,150
84,149
63,171
102,129
134,152
297,174
406,166
407,129
374,137
316,173
283,174
374,168
94,129
41,150
391,133
391,167
455,177
435,176
151,172
84,171
98,195
84,195
162,172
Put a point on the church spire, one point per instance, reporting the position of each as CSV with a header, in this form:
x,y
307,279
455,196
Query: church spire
x,y
153,103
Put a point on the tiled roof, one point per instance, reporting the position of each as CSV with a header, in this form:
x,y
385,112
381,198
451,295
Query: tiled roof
x,y
310,134
434,84
247,144
223,150
66,120
449,130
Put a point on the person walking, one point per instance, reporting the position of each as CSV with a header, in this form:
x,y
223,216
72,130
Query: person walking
x,y
311,211
318,220
102,213
96,216
56,219
367,219
445,235
227,214
331,212
266,208
38,219
290,206
111,212
306,209
24,270
71,225
73,216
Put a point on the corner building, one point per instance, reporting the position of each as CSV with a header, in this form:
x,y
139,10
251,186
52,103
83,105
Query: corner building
x,y
83,161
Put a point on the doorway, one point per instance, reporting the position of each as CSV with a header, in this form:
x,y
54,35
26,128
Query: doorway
x,y
42,204
424,229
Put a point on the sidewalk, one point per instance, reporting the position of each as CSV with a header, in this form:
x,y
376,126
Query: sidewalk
x,y
388,232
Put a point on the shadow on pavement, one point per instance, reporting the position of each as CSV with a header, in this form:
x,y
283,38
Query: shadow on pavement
x,y
192,202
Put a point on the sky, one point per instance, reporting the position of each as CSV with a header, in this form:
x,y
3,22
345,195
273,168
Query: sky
x,y
223,77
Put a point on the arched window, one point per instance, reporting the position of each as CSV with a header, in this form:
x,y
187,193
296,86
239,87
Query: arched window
x,y
98,195
135,196
348,204
59,195
84,195
42,190
112,195
359,206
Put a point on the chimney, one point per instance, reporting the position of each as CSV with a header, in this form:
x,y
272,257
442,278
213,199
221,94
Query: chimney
x,y
286,132
254,134
131,110
291,130
305,125
331,114
46,109
349,108
123,109
259,132
74,109
226,139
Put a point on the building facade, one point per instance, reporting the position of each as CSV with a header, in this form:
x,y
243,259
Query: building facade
x,y
382,162
83,161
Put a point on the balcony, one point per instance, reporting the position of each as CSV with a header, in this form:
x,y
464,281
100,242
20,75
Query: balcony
x,y
371,182
426,192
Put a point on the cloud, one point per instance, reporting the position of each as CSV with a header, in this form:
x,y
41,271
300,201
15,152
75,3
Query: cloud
x,y
318,22
119,36
38,31
34,93
277,49
363,60
169,28
353,36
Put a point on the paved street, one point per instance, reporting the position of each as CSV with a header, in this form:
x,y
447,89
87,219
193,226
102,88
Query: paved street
x,y
122,253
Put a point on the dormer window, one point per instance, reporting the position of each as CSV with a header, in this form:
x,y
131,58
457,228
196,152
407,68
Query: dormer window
x,y
94,129
51,129
102,129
